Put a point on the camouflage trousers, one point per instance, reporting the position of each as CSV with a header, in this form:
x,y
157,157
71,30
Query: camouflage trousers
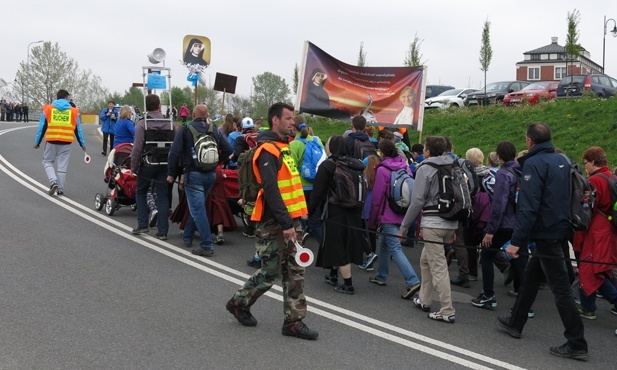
x,y
278,259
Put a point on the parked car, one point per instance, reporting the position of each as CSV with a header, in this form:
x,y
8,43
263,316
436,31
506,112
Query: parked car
x,y
434,90
449,98
134,115
531,94
573,86
495,92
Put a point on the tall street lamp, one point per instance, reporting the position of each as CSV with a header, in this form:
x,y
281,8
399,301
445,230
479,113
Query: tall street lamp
x,y
613,31
28,63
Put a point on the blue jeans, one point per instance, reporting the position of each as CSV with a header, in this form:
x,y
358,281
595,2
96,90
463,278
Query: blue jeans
x,y
390,246
607,289
144,177
198,185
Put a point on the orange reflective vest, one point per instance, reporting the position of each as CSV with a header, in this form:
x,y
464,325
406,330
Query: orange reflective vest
x,y
402,130
61,124
288,180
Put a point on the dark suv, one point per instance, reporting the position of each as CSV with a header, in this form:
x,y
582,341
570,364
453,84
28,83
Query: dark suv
x,y
495,92
573,86
434,90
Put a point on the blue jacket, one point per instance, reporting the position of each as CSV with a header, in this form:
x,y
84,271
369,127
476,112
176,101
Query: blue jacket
x,y
108,123
544,197
124,132
61,104
503,209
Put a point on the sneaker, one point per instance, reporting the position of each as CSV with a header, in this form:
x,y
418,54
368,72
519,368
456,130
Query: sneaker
x,y
512,293
410,291
305,237
473,277
59,193
52,189
204,252
567,352
586,314
298,329
599,295
370,261
153,217
161,236
439,317
459,281
140,230
530,313
418,304
484,302
249,233
370,269
331,279
218,239
242,314
504,321
374,280
508,276
345,289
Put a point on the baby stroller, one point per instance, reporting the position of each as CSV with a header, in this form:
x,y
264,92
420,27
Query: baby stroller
x,y
121,185
232,193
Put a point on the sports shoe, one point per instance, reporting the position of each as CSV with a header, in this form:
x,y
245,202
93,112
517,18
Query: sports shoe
x,y
140,230
512,293
418,304
331,279
586,314
153,217
504,321
298,329
410,291
484,302
374,280
439,317
218,238
473,277
161,236
345,289
459,281
370,261
60,193
52,189
249,232
242,314
567,352
508,276
199,251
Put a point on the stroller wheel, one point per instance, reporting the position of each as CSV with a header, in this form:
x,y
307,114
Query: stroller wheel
x,y
99,201
110,206
134,207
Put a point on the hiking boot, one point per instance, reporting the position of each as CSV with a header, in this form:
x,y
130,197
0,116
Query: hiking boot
x,y
345,289
504,321
161,236
586,314
410,291
140,230
298,329
484,301
331,279
242,314
567,352
204,252
459,281
374,280
153,217
418,304
439,317
52,189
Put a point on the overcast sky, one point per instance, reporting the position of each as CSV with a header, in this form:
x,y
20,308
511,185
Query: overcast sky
x,y
249,37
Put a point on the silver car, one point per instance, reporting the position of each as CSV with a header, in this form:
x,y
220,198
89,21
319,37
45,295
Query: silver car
x,y
449,98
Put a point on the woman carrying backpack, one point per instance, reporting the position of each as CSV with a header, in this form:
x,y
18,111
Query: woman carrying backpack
x,y
382,214
342,242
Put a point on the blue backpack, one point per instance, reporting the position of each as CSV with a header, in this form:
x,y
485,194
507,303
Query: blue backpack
x,y
314,154
399,190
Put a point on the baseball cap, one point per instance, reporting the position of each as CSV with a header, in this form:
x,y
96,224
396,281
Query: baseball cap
x,y
398,137
247,123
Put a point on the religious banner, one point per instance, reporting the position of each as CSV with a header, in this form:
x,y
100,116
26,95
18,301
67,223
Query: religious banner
x,y
385,96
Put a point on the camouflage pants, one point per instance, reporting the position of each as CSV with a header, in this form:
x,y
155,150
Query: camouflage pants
x,y
278,259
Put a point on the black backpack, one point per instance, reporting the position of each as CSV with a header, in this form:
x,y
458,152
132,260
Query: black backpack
x,y
455,202
582,198
612,211
362,149
473,182
349,183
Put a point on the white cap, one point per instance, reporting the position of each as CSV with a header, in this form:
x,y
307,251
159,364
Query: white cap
x,y
247,123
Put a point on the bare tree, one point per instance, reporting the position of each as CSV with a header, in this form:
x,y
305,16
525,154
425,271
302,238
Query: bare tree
x,y
362,56
413,57
486,51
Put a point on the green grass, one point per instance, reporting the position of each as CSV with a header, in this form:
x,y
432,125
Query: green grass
x,y
576,125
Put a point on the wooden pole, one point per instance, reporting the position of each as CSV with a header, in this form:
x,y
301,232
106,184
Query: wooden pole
x,y
223,105
195,97
420,137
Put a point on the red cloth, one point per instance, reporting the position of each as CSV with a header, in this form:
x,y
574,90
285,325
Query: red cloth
x,y
599,242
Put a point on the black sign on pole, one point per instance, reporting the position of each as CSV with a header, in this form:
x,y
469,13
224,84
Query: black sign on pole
x,y
225,83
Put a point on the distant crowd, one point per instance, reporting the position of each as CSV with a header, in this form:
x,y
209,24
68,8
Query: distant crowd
x,y
13,112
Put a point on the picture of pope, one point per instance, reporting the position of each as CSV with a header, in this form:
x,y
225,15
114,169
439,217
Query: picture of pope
x,y
408,98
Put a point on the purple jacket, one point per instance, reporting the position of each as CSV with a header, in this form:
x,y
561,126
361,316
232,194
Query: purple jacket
x,y
503,210
379,203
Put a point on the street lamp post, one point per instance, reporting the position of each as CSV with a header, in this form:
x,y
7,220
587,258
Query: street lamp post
x,y
613,31
28,65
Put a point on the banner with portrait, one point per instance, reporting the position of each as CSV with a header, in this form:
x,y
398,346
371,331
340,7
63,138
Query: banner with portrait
x,y
385,96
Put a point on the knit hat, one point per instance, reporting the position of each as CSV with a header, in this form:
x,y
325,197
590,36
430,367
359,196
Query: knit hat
x,y
247,123
398,137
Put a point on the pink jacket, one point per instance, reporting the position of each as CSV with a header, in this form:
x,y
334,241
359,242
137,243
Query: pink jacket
x,y
184,111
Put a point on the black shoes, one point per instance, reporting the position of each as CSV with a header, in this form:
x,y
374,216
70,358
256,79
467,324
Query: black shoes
x,y
345,289
199,251
52,189
504,321
331,279
242,314
140,230
459,281
567,352
298,329
60,192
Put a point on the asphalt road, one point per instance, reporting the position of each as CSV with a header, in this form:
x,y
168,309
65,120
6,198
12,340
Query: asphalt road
x,y
78,291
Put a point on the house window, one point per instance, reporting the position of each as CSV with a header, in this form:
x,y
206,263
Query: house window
x,y
533,73
535,56
560,72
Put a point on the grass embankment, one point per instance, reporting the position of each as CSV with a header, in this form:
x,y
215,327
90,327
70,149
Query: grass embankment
x,y
576,125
